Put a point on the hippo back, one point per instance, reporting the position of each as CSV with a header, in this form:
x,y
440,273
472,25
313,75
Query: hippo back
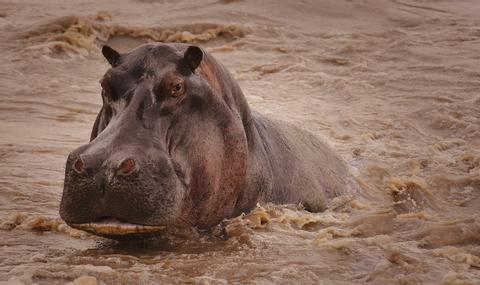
x,y
304,169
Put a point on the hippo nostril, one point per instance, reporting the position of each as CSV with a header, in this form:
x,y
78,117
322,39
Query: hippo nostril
x,y
79,165
127,166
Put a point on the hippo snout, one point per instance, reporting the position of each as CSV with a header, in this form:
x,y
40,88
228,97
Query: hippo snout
x,y
124,185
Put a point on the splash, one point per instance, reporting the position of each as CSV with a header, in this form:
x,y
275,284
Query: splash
x,y
410,194
84,280
39,223
75,34
282,218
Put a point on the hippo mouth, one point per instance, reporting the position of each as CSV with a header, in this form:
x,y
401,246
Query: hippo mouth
x,y
110,226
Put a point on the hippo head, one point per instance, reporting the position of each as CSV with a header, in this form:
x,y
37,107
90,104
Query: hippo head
x,y
168,147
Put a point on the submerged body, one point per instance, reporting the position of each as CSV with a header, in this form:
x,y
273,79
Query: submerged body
x,y
177,144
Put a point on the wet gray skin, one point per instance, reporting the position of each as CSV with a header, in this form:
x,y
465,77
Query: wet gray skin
x,y
176,145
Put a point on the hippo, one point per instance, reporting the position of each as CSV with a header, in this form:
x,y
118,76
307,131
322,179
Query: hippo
x,y
176,144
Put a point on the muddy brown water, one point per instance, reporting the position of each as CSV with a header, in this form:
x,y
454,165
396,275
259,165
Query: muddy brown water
x,y
394,86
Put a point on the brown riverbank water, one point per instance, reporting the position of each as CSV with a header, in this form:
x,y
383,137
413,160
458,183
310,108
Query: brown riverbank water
x,y
394,86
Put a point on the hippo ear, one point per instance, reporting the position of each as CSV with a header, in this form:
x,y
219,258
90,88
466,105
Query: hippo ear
x,y
111,55
193,57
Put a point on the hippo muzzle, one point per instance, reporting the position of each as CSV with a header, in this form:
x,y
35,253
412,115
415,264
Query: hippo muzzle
x,y
120,190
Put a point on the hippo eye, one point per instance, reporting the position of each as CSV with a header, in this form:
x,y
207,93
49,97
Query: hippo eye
x,y
177,89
